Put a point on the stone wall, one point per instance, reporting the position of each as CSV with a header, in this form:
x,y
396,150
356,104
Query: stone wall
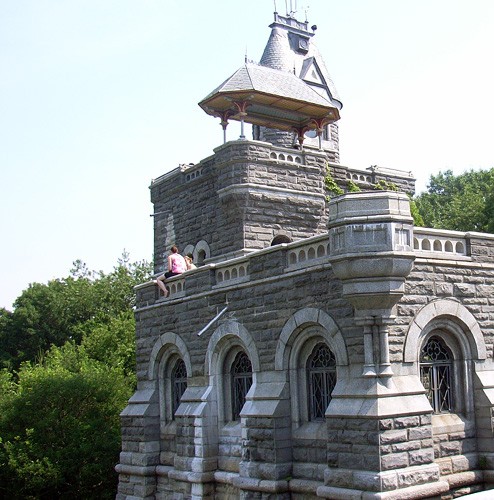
x,y
401,451
244,196
373,294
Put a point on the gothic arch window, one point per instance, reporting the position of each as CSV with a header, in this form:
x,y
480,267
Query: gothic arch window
x,y
172,385
312,363
321,380
436,374
178,384
241,381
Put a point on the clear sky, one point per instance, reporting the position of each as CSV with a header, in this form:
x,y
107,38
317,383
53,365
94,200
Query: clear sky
x,y
98,97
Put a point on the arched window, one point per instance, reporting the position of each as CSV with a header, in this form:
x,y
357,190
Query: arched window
x,y
436,374
241,378
178,384
321,379
281,238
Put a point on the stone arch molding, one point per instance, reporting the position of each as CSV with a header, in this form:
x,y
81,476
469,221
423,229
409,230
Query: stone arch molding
x,y
451,316
201,245
168,343
189,249
226,335
303,318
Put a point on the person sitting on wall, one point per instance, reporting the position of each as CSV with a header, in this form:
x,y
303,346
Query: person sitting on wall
x,y
176,266
189,260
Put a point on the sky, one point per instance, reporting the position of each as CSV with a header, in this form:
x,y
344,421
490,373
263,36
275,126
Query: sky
x,y
98,97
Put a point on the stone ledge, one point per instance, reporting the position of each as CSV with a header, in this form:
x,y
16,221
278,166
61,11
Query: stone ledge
x,y
163,470
191,477
466,478
225,477
304,486
412,493
135,470
252,484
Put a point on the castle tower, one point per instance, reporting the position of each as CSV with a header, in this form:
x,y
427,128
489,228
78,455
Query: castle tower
x,y
353,360
251,194
291,48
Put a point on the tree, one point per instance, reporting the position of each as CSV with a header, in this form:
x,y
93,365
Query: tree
x,y
72,342
462,203
64,309
59,428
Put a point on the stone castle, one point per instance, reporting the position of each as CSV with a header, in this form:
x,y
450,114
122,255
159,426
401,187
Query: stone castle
x,y
324,348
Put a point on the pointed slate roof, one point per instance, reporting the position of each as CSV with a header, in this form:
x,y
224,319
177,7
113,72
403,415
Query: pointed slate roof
x,y
290,88
290,47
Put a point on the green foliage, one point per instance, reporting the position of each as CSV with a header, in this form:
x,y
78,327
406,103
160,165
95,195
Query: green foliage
x,y
385,186
59,431
331,186
353,188
417,218
464,202
72,342
64,309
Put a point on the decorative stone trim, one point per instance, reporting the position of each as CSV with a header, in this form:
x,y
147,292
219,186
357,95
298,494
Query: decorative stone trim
x,y
421,491
224,477
458,314
359,177
135,470
201,247
306,317
229,275
438,244
174,341
289,158
177,288
308,253
236,331
270,191
264,485
193,175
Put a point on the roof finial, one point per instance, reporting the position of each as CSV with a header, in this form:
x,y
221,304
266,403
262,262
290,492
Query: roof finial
x,y
246,53
275,9
292,10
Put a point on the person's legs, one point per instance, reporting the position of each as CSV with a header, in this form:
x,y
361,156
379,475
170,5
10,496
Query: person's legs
x,y
160,283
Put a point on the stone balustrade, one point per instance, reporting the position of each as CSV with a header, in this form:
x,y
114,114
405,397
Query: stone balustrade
x,y
227,274
283,156
307,253
441,244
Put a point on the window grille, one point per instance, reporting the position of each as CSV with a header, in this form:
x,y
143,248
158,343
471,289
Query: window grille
x,y
241,373
321,377
179,384
436,374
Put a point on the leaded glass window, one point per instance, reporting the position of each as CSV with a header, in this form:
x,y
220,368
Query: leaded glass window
x,y
179,384
241,373
321,378
436,374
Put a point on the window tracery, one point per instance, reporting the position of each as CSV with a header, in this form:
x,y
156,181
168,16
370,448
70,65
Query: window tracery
x,y
321,380
241,381
436,374
178,384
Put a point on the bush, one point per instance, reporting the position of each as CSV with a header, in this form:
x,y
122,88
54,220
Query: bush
x,y
60,432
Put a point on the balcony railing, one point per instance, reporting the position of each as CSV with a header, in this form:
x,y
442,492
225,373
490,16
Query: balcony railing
x,y
438,243
310,252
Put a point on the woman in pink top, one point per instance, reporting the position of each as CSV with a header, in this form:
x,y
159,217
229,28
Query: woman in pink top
x,y
176,265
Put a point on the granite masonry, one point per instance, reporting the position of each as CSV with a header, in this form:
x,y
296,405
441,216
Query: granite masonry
x,y
324,348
